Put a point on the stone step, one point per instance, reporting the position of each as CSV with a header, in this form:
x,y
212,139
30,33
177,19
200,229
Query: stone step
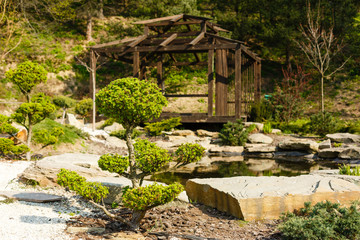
x,y
37,197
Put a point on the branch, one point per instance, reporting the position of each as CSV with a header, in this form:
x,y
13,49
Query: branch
x,y
109,214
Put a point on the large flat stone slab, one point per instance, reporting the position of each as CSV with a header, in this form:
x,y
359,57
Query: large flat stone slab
x,y
258,198
31,196
46,169
344,137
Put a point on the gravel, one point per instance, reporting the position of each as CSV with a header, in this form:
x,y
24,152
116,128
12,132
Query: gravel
x,y
35,221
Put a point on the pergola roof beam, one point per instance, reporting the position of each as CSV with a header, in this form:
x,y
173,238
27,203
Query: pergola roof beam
x,y
197,39
137,41
158,19
168,40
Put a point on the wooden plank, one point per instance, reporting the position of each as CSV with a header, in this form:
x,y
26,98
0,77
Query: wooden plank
x,y
168,40
167,23
249,53
258,82
180,34
187,16
181,64
125,40
197,39
177,18
173,42
137,41
223,38
186,95
170,48
158,19
238,83
197,118
215,28
210,81
136,64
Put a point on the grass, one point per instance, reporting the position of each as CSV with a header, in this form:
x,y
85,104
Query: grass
x,y
71,134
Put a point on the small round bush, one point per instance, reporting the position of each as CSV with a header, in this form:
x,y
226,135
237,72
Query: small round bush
x,y
114,163
189,152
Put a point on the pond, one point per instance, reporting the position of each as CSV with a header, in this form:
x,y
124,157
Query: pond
x,y
239,166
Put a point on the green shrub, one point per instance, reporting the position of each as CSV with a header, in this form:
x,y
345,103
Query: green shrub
x,y
143,198
122,134
155,129
7,147
299,126
261,111
108,122
325,220
189,152
84,107
46,137
234,133
267,128
114,163
93,191
324,123
352,127
347,170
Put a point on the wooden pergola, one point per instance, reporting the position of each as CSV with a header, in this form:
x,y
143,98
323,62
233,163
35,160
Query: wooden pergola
x,y
164,38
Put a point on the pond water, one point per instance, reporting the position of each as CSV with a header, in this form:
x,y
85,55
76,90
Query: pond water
x,y
240,166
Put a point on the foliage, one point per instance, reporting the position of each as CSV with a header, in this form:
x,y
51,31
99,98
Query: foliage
x,y
150,158
155,129
46,137
93,191
63,102
84,107
234,133
347,170
140,100
289,97
33,112
5,125
267,128
114,163
144,198
122,134
352,127
325,220
27,75
71,133
300,126
324,123
108,122
189,152
7,147
261,111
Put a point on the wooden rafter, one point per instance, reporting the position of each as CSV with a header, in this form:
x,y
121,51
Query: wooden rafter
x,y
197,39
168,40
137,41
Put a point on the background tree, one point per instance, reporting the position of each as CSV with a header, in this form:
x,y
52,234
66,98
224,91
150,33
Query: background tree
x,y
31,113
26,76
84,107
320,46
64,103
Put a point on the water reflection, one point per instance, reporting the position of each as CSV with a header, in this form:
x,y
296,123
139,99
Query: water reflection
x,y
218,167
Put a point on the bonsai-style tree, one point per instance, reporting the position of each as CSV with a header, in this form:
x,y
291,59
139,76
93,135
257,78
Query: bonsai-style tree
x,y
84,107
31,113
131,101
26,76
64,103
7,146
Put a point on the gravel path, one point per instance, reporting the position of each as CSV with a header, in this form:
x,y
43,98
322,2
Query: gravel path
x,y
34,221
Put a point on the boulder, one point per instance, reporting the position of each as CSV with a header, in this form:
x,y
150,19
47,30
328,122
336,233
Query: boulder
x,y
260,138
299,145
275,131
45,170
260,148
226,150
344,137
114,127
325,144
259,198
99,134
259,126
183,133
350,153
71,120
330,152
204,133
115,142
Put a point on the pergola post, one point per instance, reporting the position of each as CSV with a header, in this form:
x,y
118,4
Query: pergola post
x,y
159,69
221,72
258,81
93,85
238,83
136,64
210,82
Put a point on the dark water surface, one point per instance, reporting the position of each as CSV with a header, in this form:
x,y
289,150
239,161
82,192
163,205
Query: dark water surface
x,y
239,166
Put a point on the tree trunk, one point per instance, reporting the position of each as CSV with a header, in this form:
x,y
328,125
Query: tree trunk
x,y
137,216
322,94
28,140
63,116
101,10
133,175
89,28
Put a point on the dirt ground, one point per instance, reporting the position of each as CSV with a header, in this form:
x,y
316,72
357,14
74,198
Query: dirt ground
x,y
178,221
